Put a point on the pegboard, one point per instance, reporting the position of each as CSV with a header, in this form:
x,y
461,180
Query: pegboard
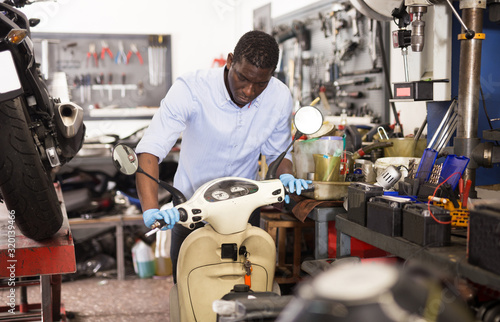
x,y
331,60
111,82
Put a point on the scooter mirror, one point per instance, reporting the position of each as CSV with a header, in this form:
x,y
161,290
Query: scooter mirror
x,y
125,159
308,120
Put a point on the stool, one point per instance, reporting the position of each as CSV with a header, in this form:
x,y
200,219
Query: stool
x,y
276,224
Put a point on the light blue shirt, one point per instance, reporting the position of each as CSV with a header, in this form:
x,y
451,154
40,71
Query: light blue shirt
x,y
219,139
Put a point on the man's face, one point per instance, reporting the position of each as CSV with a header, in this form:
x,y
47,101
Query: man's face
x,y
244,81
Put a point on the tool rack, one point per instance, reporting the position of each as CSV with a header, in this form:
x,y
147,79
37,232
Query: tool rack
x,y
46,259
107,70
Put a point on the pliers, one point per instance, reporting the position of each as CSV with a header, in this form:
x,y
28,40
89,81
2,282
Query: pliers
x,y
121,58
133,49
91,53
105,49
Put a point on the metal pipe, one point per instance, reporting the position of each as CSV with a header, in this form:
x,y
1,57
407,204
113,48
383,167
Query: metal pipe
x,y
446,129
468,92
447,136
443,122
404,51
469,33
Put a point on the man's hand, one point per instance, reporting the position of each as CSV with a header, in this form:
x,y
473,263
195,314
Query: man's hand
x,y
293,184
170,216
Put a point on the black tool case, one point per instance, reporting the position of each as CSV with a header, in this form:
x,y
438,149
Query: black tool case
x,y
358,194
420,228
484,237
384,214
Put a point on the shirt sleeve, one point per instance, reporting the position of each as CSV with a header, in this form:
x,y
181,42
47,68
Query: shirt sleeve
x,y
281,136
169,121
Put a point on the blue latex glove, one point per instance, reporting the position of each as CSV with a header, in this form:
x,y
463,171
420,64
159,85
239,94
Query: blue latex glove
x,y
170,216
293,184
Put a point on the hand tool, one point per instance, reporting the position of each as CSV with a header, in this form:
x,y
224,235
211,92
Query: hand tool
x,y
461,190
92,53
110,89
124,79
157,55
468,184
87,82
121,57
99,80
134,50
356,94
352,82
105,49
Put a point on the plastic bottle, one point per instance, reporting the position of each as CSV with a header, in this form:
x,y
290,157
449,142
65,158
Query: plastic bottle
x,y
163,262
143,259
343,120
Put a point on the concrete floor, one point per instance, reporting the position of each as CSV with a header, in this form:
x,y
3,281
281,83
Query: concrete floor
x,y
101,299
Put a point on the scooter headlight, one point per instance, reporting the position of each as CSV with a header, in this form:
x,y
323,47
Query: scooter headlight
x,y
16,36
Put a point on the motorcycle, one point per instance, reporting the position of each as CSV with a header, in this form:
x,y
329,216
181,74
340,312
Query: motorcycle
x,y
38,133
227,251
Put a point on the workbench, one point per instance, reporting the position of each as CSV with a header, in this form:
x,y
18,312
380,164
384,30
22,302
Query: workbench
x,y
116,221
46,259
452,259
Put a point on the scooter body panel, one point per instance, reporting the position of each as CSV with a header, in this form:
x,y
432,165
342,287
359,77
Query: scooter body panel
x,y
203,276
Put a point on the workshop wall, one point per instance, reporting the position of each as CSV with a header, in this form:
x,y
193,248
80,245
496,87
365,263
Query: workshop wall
x,y
200,30
213,26
345,63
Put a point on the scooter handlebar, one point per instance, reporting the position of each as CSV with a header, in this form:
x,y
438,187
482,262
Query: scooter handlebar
x,y
310,188
183,216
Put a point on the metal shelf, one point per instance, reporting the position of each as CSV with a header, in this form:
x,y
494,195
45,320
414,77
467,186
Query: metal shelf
x,y
451,258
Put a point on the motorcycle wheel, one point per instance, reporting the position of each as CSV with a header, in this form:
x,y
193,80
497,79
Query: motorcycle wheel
x,y
26,187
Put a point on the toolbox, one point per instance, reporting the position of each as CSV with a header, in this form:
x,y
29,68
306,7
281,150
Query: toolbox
x,y
358,194
420,228
484,237
383,214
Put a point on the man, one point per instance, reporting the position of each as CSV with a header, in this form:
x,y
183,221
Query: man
x,y
228,117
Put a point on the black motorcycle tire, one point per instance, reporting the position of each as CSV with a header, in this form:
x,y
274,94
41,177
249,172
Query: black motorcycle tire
x,y
27,189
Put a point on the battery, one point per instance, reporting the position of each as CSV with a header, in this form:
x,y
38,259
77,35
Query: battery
x,y
420,228
484,236
358,194
384,214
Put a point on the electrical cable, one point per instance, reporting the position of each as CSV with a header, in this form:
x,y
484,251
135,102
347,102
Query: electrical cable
x,y
485,110
434,194
386,72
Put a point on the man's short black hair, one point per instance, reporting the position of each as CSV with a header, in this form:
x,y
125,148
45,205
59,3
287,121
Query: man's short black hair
x,y
258,48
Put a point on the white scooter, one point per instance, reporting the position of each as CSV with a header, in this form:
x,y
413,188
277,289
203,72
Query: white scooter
x,y
227,251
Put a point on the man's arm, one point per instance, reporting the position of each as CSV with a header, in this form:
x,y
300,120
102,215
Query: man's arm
x,y
285,166
147,189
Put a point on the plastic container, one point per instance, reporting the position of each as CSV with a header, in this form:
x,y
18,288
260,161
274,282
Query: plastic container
x,y
303,151
163,262
426,164
343,120
453,164
143,259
